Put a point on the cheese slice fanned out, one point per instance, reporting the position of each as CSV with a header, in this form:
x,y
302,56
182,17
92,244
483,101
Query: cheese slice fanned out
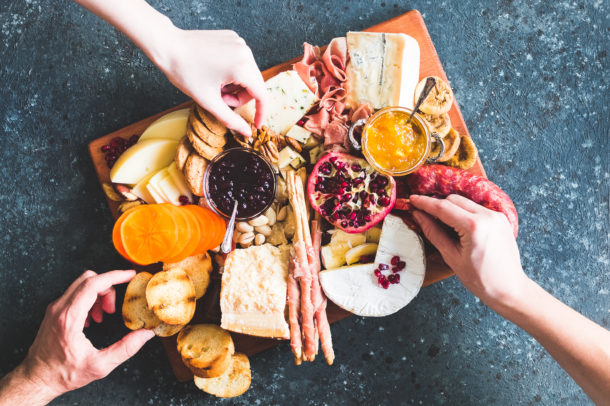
x,y
253,292
355,288
289,100
383,69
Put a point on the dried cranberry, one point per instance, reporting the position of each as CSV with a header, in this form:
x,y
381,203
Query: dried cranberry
x,y
184,200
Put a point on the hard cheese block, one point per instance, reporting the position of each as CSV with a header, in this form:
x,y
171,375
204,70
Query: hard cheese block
x,y
383,69
355,288
253,293
142,159
171,126
289,100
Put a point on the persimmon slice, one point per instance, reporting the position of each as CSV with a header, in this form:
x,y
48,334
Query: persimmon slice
x,y
214,226
149,234
183,234
116,232
188,235
205,225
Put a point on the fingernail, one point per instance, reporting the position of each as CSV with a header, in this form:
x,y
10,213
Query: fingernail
x,y
414,197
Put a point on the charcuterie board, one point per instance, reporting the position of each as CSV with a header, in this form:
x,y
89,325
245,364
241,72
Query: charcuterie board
x,y
410,23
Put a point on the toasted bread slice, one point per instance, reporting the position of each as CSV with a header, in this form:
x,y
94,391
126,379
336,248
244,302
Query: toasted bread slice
x,y
210,121
203,132
167,330
182,152
203,148
136,314
171,296
206,349
198,268
234,382
194,169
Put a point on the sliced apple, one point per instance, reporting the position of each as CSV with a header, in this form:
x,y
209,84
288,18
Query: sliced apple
x,y
171,126
142,159
353,255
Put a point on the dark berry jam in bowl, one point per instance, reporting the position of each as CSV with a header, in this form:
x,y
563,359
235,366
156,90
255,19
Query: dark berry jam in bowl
x,y
242,174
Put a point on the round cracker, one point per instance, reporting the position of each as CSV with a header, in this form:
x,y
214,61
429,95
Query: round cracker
x,y
203,148
182,152
210,121
203,132
194,169
171,296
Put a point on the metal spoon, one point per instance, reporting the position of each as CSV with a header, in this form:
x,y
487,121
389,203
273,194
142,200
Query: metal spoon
x,y
430,83
227,242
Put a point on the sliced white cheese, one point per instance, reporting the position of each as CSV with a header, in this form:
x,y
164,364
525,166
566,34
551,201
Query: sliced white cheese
x,y
170,190
286,156
171,126
142,159
289,100
298,133
355,288
383,69
142,192
154,188
179,180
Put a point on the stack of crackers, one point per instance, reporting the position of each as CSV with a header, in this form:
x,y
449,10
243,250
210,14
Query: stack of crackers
x,y
205,138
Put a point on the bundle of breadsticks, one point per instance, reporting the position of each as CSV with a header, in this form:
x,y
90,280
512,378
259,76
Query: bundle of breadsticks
x,y
306,302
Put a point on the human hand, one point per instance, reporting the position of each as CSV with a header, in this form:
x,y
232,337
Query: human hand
x,y
217,69
62,358
482,252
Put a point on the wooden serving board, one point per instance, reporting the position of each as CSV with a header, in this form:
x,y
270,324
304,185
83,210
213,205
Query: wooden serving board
x,y
208,310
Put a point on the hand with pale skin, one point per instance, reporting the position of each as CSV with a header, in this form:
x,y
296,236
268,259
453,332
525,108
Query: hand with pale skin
x,y
478,245
61,358
214,67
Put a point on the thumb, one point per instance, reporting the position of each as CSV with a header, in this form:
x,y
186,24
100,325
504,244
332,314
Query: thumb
x,y
225,115
436,234
125,348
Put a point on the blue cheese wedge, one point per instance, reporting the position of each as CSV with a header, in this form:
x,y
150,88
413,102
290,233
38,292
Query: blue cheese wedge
x,y
289,100
253,292
383,69
355,288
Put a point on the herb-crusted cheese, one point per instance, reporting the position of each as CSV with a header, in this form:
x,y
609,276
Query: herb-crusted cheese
x,y
383,69
289,100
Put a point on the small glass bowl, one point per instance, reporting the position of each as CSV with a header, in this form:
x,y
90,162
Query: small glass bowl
x,y
206,183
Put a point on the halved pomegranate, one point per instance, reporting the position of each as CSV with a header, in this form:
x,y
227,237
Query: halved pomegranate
x,y
350,193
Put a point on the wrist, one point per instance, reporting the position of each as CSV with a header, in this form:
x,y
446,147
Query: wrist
x,y
158,45
511,296
25,384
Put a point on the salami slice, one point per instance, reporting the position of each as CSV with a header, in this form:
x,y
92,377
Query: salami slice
x,y
441,181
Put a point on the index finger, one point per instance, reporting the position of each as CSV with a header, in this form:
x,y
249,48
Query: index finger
x,y
86,294
443,209
252,82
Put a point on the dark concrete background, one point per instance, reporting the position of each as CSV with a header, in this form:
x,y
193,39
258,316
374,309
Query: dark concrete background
x,y
531,79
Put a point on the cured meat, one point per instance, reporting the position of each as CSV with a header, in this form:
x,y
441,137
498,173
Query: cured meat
x,y
441,181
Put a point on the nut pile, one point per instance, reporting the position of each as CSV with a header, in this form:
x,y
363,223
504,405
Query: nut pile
x,y
123,194
267,142
275,226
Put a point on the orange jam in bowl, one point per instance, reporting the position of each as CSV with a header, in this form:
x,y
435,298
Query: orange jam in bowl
x,y
392,145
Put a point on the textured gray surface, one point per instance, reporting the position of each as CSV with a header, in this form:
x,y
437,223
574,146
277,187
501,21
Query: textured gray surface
x,y
531,79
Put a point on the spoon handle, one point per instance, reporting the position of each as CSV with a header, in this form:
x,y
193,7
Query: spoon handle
x,y
227,242
430,83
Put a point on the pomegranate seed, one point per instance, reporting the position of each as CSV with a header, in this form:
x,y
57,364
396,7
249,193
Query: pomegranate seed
x,y
377,272
385,283
366,258
401,264
335,216
396,269
384,201
333,159
395,260
352,216
394,278
344,223
367,218
384,267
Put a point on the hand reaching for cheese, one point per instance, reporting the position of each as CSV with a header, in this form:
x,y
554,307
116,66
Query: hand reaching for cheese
x,y
217,69
485,256
62,358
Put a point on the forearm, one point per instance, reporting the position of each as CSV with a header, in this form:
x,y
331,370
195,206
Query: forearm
x,y
17,388
146,27
579,345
